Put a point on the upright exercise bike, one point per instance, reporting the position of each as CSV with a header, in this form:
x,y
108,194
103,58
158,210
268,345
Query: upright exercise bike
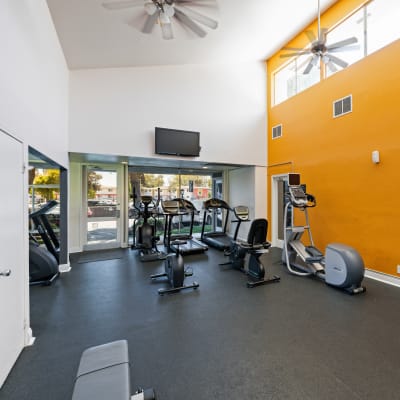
x,y
174,268
341,266
255,246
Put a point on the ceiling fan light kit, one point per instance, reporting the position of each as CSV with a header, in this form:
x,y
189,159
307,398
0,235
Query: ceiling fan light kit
x,y
319,51
167,12
150,7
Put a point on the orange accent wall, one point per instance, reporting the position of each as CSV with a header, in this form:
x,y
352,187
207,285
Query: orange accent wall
x,y
358,202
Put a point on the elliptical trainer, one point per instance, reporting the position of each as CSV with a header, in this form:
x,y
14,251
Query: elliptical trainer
x,y
145,237
255,246
341,267
174,266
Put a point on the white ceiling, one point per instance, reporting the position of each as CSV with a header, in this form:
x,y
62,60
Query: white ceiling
x,y
249,30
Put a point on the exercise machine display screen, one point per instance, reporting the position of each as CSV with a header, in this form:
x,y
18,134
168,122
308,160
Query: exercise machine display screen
x,y
294,179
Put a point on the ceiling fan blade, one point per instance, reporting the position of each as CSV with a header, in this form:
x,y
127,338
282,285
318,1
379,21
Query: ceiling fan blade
x,y
211,23
331,66
337,61
297,53
184,19
197,2
310,66
150,22
311,36
312,62
118,5
294,48
342,43
347,48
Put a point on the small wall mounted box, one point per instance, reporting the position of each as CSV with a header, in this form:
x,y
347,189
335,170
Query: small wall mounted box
x,y
375,157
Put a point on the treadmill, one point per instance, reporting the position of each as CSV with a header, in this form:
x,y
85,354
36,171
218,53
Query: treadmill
x,y
177,208
217,239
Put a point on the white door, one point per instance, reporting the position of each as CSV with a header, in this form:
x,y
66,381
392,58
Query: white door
x,y
12,243
279,188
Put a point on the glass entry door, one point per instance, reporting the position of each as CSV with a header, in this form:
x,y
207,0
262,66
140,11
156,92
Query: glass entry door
x,y
102,206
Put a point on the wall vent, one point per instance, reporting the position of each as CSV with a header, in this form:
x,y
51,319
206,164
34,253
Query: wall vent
x,y
342,106
277,131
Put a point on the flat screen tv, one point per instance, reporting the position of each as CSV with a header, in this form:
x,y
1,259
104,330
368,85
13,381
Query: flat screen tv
x,y
177,142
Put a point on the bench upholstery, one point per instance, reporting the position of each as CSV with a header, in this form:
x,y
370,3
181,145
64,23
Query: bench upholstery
x,y
103,373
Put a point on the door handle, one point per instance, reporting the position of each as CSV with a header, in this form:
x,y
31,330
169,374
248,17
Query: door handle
x,y
6,272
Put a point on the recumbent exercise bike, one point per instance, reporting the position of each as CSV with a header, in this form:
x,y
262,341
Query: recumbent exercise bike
x,y
255,246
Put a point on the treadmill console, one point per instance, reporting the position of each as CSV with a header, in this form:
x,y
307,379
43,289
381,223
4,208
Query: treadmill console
x,y
215,203
172,207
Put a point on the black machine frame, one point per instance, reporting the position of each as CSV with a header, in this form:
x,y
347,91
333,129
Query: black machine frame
x,y
44,262
256,245
217,239
45,229
145,239
176,208
175,272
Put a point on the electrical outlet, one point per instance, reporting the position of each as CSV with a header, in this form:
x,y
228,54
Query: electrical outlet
x,y
398,268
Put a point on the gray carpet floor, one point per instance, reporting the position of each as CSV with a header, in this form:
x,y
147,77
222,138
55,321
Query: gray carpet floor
x,y
292,340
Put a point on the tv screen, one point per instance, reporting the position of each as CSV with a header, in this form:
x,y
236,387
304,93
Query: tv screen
x,y
177,142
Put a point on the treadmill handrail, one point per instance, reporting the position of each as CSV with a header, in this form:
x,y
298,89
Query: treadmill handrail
x,y
44,209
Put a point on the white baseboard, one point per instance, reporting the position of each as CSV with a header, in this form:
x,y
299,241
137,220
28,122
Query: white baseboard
x,y
75,250
64,268
29,338
381,277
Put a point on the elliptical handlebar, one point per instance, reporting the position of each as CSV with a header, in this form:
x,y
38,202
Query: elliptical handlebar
x,y
298,198
311,200
156,204
147,206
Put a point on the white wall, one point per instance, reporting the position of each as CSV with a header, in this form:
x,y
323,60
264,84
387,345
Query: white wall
x,y
247,187
34,95
114,111
33,78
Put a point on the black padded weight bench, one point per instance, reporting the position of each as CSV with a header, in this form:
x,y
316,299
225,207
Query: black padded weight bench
x,y
103,374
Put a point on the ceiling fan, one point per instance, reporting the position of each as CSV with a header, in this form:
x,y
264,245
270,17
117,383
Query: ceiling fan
x,y
320,50
163,12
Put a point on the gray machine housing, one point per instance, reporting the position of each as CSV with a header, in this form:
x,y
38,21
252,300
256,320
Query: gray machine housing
x,y
338,259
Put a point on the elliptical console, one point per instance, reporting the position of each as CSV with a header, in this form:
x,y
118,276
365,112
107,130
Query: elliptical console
x,y
341,267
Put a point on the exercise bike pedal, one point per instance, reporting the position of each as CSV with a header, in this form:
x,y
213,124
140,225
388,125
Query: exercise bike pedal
x,y
155,276
161,292
189,272
252,284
